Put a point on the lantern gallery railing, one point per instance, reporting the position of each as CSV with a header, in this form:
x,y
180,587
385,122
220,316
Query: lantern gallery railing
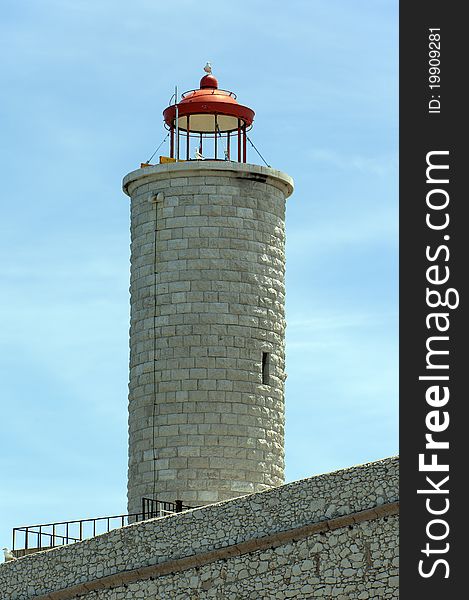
x,y
33,538
214,144
217,91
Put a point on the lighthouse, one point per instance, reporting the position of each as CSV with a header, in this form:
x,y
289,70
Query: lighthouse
x,y
206,405
207,293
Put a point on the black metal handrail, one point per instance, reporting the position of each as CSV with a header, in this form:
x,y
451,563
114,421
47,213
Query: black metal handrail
x,y
157,508
61,533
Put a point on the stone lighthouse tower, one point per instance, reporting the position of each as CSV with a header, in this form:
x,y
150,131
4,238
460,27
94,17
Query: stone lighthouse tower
x,y
207,334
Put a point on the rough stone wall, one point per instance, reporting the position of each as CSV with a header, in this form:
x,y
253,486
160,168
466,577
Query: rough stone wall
x,y
206,302
333,536
359,563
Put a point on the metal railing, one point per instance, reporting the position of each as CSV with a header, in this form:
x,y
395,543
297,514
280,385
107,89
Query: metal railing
x,y
32,538
156,508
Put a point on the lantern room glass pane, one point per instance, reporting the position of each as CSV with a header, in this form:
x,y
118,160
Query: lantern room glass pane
x,y
205,123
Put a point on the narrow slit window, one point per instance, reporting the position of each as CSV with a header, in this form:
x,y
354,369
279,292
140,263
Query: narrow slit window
x,y
265,368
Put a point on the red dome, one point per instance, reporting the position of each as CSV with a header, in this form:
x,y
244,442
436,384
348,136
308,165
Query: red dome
x,y
201,107
209,81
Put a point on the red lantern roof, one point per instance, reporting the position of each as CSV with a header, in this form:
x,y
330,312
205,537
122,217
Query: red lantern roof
x,y
199,110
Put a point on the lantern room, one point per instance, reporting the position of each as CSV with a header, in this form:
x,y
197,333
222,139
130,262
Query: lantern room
x,y
208,123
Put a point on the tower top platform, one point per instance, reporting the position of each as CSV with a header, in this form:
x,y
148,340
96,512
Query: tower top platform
x,y
245,171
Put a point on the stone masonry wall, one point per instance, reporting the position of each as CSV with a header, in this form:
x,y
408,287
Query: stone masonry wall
x,y
207,300
332,536
347,564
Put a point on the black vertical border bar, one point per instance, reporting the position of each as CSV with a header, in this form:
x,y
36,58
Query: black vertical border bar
x,y
422,132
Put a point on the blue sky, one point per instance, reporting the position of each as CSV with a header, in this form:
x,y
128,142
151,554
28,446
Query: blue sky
x,y
84,86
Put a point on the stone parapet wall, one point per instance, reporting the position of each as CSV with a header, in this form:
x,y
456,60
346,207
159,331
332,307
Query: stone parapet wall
x,y
330,536
207,302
